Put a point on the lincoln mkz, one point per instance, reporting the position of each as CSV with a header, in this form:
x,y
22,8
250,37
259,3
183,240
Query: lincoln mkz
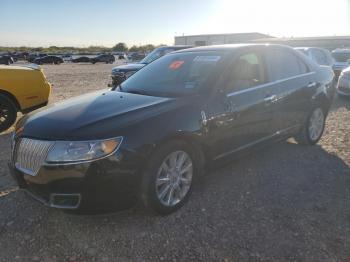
x,y
150,137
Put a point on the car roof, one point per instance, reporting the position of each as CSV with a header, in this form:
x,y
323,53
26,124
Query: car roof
x,y
341,51
306,48
174,47
229,47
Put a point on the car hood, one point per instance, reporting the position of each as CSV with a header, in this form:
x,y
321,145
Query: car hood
x,y
96,115
128,67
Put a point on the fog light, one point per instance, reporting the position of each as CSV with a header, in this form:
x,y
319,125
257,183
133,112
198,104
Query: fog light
x,y
66,201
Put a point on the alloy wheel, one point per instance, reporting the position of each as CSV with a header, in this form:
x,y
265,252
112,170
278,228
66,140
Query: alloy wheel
x,y
4,115
174,178
316,124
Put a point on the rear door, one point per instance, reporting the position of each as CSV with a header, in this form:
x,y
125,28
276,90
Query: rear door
x,y
293,78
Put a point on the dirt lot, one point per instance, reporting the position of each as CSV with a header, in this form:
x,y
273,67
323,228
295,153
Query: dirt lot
x,y
283,203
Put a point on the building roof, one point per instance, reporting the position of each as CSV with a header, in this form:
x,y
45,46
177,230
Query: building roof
x,y
253,34
281,39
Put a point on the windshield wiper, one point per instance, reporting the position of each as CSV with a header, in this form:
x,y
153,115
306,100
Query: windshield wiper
x,y
137,92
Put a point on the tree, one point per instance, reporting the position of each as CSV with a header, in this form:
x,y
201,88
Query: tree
x,y
120,47
134,48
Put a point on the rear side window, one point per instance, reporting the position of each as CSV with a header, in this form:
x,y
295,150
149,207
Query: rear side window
x,y
283,64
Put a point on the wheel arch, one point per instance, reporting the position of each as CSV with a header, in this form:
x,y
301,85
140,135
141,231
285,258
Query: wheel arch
x,y
193,141
11,97
324,102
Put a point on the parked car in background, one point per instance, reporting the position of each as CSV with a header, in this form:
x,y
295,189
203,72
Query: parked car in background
x,y
82,59
33,56
122,56
320,56
153,135
67,57
136,56
342,60
105,58
344,83
50,59
122,72
6,60
22,89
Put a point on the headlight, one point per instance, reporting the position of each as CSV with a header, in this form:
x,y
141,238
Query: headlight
x,y
78,151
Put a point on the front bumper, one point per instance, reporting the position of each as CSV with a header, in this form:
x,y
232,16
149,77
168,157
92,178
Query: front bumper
x,y
102,185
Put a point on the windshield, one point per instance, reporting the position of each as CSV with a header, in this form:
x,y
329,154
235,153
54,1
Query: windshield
x,y
174,74
341,57
154,55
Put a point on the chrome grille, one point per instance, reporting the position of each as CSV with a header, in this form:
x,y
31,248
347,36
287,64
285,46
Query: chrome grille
x,y
30,154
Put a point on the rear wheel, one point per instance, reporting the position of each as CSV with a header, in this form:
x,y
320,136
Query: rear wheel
x,y
8,113
167,183
313,129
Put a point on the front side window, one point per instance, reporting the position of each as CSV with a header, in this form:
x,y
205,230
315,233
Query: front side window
x,y
175,74
283,64
320,57
245,72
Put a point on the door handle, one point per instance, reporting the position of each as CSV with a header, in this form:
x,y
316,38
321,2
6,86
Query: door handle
x,y
311,84
270,98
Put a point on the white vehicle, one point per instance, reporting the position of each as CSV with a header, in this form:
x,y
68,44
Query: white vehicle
x,y
67,58
342,60
344,83
318,55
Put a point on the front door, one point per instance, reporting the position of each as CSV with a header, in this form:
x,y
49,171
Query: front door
x,y
240,115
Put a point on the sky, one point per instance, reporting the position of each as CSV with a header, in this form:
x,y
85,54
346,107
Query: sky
x,y
83,23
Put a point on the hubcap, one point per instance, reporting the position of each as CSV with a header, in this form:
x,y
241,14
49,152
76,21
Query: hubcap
x,y
3,114
316,124
174,178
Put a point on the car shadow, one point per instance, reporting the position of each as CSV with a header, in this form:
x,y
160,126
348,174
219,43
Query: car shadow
x,y
287,196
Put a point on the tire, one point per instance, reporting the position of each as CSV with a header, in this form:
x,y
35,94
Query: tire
x,y
158,178
8,113
313,128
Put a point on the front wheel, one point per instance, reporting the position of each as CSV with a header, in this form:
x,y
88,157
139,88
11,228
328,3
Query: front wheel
x,y
8,113
167,183
313,129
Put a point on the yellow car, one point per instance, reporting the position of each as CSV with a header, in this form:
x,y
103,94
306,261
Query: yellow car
x,y
22,89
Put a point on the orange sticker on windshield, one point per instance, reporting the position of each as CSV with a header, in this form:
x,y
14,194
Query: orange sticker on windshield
x,y
176,64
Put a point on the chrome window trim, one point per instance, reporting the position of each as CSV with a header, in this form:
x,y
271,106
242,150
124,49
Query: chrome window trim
x,y
268,84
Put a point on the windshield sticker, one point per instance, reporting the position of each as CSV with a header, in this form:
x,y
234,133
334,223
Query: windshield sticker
x,y
176,64
207,58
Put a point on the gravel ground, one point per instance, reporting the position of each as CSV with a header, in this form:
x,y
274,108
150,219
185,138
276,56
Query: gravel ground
x,y
283,203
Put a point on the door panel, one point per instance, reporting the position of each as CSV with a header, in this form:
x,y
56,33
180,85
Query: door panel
x,y
295,99
295,87
240,119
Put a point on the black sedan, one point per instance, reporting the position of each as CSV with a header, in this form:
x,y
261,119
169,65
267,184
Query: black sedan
x,y
6,60
50,59
153,136
108,59
82,59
